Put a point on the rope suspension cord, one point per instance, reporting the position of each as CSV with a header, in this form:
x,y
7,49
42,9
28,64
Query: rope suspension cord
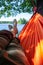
x,y
33,3
34,6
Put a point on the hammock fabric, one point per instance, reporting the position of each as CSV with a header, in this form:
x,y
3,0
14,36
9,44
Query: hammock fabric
x,y
31,39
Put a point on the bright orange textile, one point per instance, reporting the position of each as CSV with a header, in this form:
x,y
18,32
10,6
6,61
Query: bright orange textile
x,y
31,39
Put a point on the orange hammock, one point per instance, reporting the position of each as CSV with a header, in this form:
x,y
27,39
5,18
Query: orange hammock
x,y
31,39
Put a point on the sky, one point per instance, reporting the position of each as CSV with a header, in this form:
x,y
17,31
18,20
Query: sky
x,y
27,16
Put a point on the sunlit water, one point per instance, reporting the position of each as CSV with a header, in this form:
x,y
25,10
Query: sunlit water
x,y
5,26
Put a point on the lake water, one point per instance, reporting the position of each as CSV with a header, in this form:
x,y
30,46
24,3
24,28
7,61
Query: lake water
x,y
5,26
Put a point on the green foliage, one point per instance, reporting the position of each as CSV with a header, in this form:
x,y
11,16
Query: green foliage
x,y
22,21
12,7
4,22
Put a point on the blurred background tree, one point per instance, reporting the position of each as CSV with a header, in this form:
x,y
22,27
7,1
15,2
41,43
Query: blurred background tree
x,y
22,21
12,7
